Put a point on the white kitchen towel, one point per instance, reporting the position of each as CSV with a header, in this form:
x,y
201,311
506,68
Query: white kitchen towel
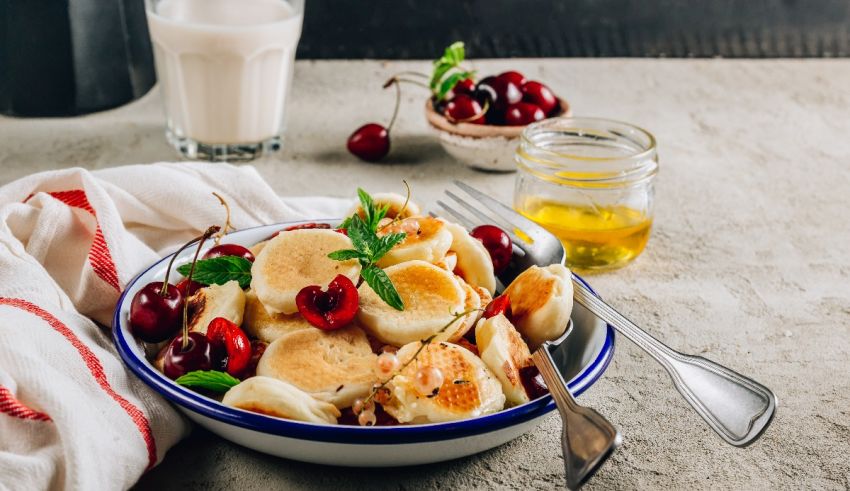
x,y
71,415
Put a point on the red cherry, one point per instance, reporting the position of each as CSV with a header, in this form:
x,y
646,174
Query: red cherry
x,y
532,382
539,95
199,354
523,113
464,109
499,305
514,77
370,142
498,244
229,250
331,309
155,317
232,341
188,288
307,226
499,92
466,87
257,349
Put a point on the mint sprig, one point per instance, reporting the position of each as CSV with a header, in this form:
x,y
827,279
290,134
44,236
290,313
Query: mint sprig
x,y
448,70
220,270
369,248
213,380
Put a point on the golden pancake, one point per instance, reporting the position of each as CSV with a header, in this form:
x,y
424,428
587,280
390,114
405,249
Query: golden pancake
x,y
227,300
258,323
426,239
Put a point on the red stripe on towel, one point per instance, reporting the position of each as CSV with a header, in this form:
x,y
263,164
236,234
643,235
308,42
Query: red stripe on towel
x,y
10,405
99,256
96,370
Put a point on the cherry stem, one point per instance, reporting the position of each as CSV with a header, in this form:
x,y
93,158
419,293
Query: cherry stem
x,y
210,231
164,290
422,344
398,216
227,224
411,72
407,81
395,82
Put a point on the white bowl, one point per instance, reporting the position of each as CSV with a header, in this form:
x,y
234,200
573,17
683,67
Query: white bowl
x,y
582,359
481,146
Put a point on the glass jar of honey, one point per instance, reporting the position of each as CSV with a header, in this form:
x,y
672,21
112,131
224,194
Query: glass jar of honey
x,y
591,183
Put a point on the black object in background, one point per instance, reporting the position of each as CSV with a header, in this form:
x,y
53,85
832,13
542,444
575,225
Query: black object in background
x,y
504,28
70,57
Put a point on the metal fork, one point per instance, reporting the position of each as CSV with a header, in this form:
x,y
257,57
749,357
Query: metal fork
x,y
736,407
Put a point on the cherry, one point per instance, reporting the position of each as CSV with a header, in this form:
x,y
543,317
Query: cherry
x,y
303,226
499,93
464,109
514,77
498,244
532,382
465,86
331,309
155,312
257,349
229,250
539,95
499,305
188,288
228,338
199,354
523,113
370,142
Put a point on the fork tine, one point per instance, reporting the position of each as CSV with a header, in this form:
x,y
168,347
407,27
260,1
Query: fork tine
x,y
488,219
506,213
463,220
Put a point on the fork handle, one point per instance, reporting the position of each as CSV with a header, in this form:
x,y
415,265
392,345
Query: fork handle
x,y
738,408
588,439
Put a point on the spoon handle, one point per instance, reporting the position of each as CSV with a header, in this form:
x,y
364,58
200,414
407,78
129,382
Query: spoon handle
x,y
738,408
588,439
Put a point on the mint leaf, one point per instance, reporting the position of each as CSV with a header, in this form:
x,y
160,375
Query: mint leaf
x,y
385,243
346,254
454,53
220,270
210,379
440,69
361,236
378,280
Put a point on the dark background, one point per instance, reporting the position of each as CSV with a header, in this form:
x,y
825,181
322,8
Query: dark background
x,y
69,57
505,28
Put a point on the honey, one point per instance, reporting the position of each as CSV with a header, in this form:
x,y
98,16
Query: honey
x,y
595,238
591,183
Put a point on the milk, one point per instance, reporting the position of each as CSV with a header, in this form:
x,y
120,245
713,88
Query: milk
x,y
224,66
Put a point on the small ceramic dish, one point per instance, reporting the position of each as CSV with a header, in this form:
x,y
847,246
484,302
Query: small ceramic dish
x,y
481,146
582,359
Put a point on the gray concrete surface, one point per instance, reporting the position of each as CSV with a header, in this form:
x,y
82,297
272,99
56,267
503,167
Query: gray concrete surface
x,y
748,263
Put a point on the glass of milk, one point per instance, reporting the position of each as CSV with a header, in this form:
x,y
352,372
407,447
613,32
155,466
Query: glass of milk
x,y
224,68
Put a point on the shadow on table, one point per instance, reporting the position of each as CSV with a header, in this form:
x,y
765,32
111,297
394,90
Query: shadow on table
x,y
205,461
404,150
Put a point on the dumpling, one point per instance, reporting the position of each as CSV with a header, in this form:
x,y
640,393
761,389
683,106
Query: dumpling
x,y
273,397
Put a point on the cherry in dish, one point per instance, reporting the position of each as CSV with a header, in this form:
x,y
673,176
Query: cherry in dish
x,y
229,250
199,354
523,113
498,244
330,309
156,312
464,109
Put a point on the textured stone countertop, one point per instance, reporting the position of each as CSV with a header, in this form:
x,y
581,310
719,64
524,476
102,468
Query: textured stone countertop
x,y
749,263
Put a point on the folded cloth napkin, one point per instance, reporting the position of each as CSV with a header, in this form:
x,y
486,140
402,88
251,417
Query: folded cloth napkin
x,y
71,415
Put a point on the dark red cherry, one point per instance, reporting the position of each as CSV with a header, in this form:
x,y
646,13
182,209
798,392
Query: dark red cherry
x,y
464,109
532,382
515,78
230,340
523,113
199,354
229,250
155,317
499,92
331,309
257,349
370,142
466,87
499,305
539,95
498,244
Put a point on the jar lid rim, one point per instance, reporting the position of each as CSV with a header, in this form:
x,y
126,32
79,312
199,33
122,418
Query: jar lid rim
x,y
647,149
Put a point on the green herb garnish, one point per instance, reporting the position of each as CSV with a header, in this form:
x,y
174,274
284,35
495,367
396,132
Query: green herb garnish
x,y
448,72
369,248
208,379
220,270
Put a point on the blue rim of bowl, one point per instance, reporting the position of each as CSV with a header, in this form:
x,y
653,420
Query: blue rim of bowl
x,y
213,409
